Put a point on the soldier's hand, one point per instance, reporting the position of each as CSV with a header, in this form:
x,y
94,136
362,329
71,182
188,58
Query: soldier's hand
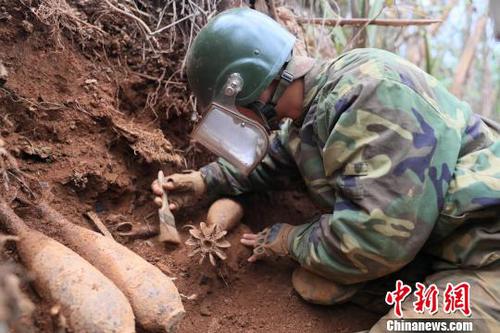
x,y
184,189
272,241
250,240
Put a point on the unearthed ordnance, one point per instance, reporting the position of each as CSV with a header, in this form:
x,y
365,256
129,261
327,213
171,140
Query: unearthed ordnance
x,y
127,229
226,213
153,296
88,299
168,232
208,240
155,300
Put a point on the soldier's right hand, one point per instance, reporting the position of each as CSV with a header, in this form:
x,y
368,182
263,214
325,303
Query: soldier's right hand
x,y
184,189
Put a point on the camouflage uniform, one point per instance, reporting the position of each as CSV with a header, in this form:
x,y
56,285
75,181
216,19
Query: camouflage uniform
x,y
403,166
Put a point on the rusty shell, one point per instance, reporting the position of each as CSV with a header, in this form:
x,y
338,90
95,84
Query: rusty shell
x,y
226,213
89,300
154,297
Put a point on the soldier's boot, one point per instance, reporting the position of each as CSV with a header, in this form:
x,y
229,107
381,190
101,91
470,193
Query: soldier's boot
x,y
318,290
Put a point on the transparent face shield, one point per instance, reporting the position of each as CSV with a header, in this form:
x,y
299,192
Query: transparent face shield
x,y
229,134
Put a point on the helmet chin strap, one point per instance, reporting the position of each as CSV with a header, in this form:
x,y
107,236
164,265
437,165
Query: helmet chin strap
x,y
267,111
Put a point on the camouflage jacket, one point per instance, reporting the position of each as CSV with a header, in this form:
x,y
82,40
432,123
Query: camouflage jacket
x,y
402,165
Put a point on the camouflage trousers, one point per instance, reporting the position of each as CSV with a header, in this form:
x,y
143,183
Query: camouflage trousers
x,y
484,295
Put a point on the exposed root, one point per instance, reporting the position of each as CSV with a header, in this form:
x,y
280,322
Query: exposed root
x,y
148,38
15,183
8,167
207,241
30,104
58,15
152,146
7,162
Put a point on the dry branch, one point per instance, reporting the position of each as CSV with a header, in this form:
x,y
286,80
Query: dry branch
x,y
99,224
362,32
467,57
362,21
489,90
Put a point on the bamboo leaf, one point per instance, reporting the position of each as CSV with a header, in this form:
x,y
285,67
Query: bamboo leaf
x,y
428,56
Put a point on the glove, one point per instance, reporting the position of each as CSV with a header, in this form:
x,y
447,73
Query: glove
x,y
184,189
272,241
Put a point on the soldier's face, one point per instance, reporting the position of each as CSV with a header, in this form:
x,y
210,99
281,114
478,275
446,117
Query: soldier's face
x,y
264,97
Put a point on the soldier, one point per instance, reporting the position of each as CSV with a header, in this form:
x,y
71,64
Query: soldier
x,y
405,169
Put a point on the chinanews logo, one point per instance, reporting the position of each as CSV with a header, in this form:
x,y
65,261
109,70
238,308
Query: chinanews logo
x,y
454,300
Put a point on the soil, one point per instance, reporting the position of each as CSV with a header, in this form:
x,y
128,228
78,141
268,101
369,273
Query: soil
x,y
80,127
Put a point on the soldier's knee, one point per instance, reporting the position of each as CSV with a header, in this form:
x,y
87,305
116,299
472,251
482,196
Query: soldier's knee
x,y
318,290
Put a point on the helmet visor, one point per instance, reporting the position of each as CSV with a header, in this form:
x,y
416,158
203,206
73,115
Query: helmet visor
x,y
232,136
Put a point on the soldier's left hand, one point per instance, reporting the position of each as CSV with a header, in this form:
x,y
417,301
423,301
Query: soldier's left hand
x,y
272,241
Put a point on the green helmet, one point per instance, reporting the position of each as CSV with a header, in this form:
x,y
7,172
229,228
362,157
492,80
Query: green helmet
x,y
242,41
